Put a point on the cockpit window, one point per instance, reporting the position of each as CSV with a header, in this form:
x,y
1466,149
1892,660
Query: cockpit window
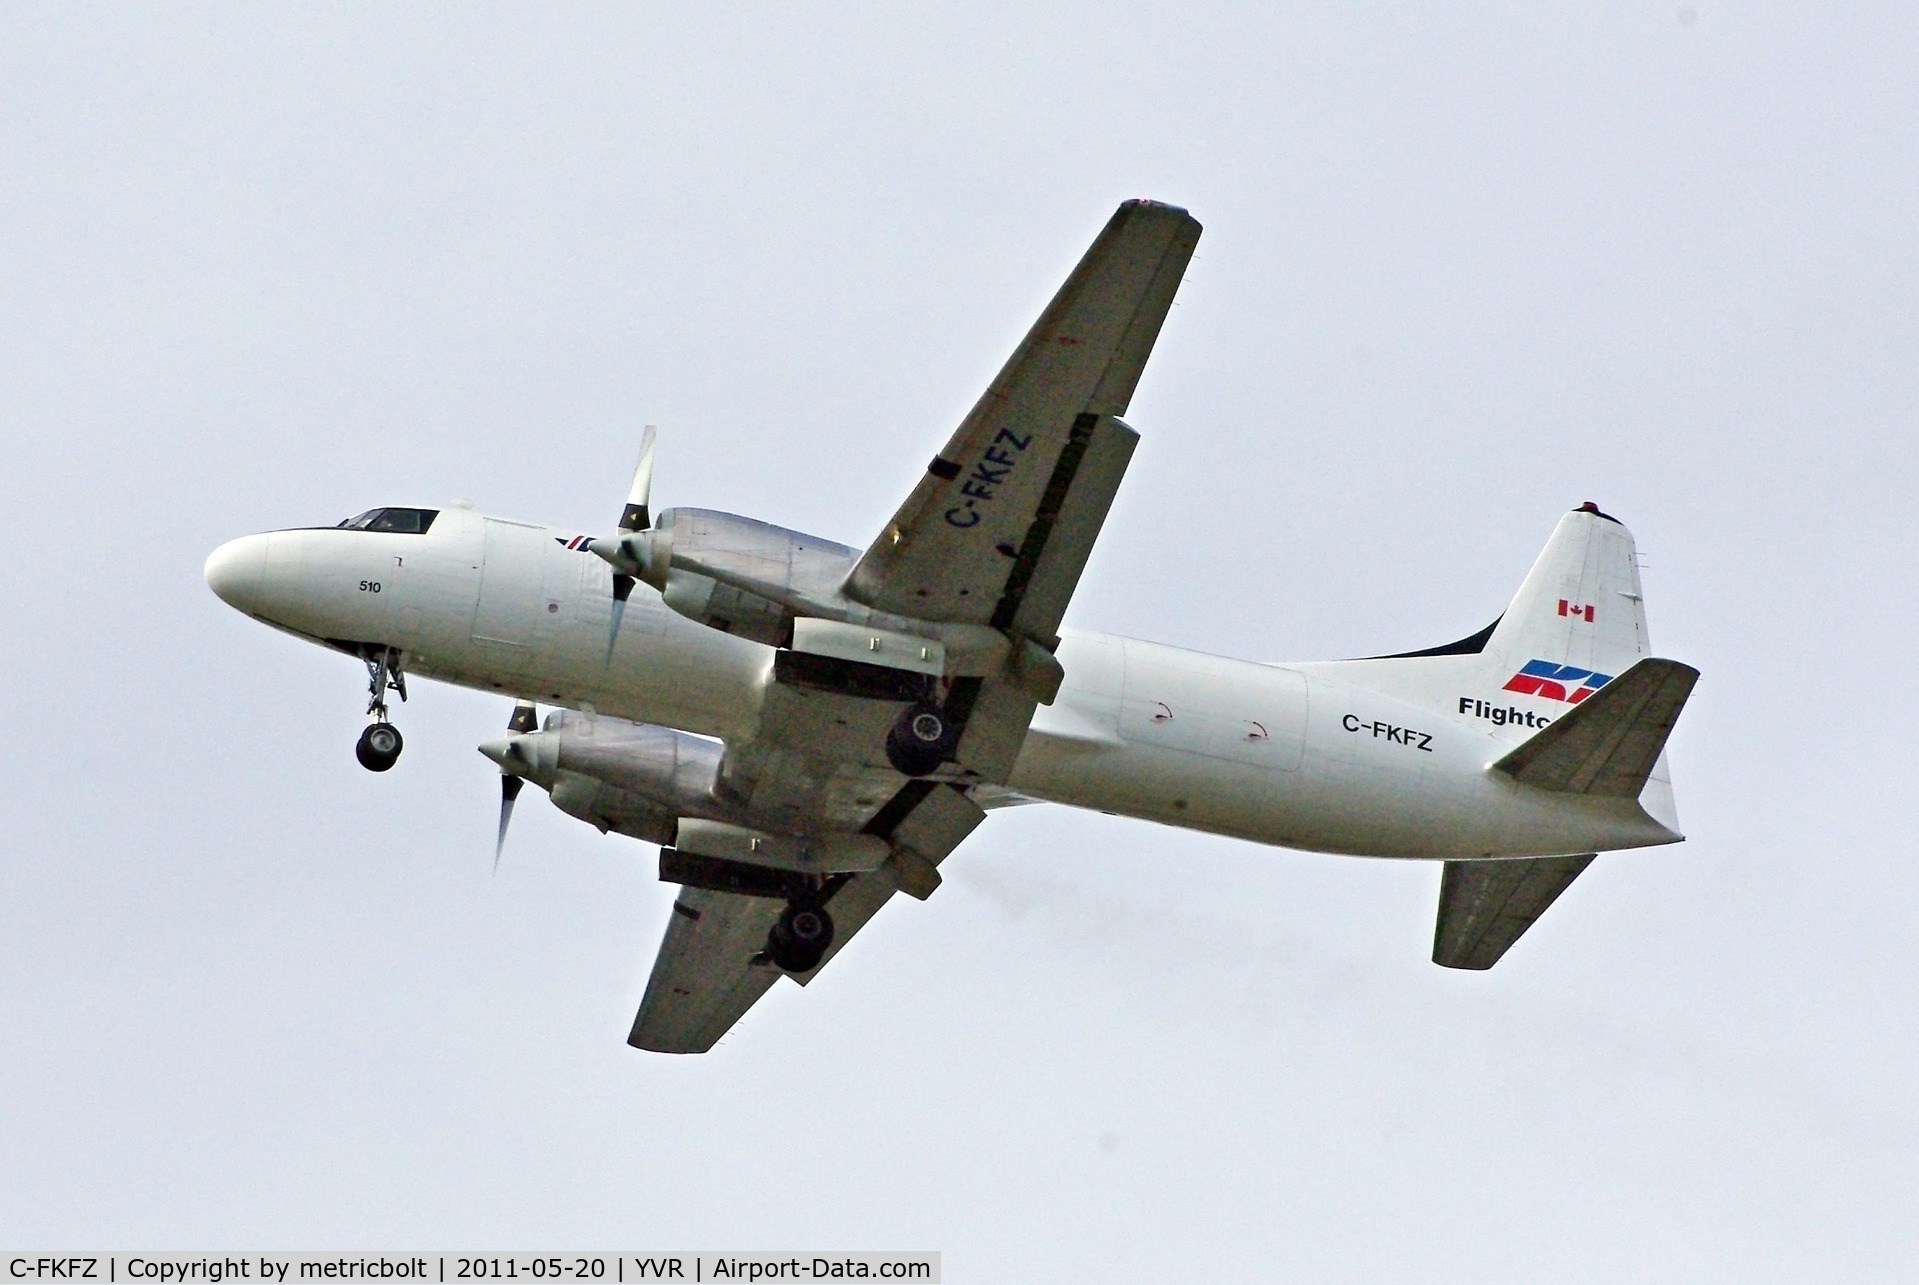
x,y
406,521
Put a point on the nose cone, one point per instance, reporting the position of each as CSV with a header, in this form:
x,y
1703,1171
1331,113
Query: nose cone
x,y
534,755
502,752
237,572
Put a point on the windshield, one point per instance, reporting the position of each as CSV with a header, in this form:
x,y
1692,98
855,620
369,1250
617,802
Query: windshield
x,y
407,521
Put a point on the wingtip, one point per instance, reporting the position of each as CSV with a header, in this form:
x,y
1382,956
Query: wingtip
x,y
638,1041
1146,205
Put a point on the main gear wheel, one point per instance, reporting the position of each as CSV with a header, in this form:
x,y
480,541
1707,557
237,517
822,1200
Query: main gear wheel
x,y
801,937
921,740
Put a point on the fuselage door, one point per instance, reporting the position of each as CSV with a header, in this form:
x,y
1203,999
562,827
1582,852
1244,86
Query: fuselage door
x,y
512,605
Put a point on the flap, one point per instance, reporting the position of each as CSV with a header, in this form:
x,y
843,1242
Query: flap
x,y
869,645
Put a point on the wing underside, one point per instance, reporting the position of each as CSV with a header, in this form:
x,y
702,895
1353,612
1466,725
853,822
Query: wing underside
x,y
703,979
972,541
995,534
712,965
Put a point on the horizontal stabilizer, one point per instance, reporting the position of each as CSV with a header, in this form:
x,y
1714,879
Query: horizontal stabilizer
x,y
1609,743
1484,906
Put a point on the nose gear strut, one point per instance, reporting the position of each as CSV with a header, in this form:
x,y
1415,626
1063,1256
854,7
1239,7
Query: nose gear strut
x,y
380,744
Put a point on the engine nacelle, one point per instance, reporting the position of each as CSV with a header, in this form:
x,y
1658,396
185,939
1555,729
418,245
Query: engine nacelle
x,y
731,610
676,770
662,786
608,807
631,777
757,580
736,574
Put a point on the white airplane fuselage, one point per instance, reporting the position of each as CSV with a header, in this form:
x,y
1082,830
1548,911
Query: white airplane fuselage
x,y
1370,758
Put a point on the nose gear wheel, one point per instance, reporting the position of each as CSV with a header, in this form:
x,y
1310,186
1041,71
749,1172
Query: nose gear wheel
x,y
379,747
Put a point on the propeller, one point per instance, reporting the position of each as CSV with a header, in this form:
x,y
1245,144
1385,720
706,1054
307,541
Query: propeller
x,y
625,556
526,718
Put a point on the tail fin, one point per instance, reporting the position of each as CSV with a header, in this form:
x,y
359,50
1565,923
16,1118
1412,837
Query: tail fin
x,y
1577,623
1579,620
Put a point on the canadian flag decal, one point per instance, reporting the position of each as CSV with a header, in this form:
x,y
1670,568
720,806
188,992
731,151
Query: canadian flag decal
x,y
1585,613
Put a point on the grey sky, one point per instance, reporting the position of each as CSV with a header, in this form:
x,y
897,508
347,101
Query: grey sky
x,y
1464,267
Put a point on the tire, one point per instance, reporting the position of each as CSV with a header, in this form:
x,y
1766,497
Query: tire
x,y
379,747
801,938
920,741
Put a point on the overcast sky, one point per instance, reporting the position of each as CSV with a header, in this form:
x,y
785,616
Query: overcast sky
x,y
1465,266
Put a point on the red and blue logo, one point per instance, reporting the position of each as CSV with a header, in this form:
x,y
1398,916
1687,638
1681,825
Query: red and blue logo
x,y
1556,682
577,544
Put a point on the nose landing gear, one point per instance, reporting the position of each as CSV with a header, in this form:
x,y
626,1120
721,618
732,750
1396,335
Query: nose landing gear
x,y
379,747
380,744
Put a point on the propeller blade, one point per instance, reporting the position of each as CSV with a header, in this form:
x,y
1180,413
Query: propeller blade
x,y
509,791
628,557
637,517
524,719
622,590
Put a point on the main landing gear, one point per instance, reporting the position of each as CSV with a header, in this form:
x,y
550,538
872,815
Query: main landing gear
x,y
380,744
801,937
921,740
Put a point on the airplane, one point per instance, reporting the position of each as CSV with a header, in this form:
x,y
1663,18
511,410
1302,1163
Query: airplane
x,y
805,728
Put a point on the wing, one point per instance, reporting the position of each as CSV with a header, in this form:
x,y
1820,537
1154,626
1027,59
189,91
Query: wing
x,y
1484,906
710,968
704,977
1000,526
995,534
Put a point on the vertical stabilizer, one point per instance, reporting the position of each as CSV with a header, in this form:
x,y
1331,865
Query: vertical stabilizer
x,y
1579,620
1577,624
